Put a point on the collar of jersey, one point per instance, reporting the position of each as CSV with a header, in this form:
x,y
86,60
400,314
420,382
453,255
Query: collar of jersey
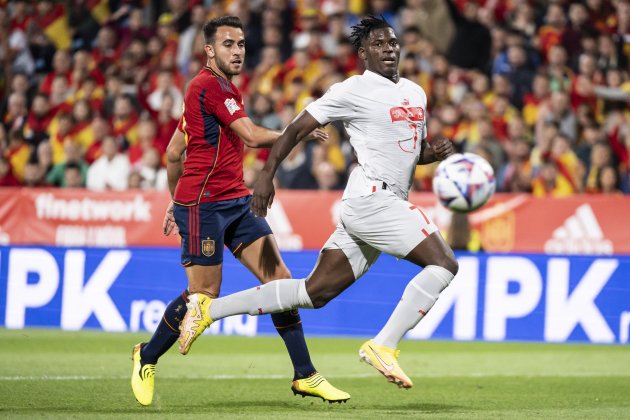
x,y
213,72
382,79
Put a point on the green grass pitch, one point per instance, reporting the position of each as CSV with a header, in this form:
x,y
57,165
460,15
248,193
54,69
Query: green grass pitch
x,y
48,373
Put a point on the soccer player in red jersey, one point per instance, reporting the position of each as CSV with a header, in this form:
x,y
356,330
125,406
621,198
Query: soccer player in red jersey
x,y
211,208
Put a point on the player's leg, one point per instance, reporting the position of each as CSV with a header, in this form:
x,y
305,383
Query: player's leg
x,y
202,255
397,227
341,261
263,259
203,278
439,268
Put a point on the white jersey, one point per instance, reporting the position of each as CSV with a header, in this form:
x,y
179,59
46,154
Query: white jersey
x,y
386,122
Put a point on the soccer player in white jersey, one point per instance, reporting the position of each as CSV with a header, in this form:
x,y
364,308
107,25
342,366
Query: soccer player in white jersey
x,y
385,117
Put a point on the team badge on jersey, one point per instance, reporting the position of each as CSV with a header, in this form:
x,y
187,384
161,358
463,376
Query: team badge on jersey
x,y
207,246
231,105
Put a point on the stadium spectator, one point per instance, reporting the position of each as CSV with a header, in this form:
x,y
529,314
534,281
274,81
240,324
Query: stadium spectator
x,y
16,112
151,171
601,156
185,47
7,178
111,170
295,170
33,174
470,48
73,176
39,119
62,64
125,119
44,159
71,157
135,180
608,181
18,153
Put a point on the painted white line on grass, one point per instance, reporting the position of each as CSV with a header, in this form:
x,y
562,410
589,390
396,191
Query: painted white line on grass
x,y
349,376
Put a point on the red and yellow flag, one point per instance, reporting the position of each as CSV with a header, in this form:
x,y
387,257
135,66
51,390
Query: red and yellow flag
x,y
99,9
55,27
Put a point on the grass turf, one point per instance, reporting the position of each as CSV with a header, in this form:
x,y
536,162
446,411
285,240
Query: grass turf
x,y
46,373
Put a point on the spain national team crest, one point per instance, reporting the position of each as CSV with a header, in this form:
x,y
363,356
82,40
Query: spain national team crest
x,y
207,247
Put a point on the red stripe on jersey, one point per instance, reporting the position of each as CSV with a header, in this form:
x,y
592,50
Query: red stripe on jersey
x,y
425,232
426,219
196,217
191,227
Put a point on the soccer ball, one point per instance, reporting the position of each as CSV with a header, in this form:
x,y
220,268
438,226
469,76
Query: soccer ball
x,y
464,182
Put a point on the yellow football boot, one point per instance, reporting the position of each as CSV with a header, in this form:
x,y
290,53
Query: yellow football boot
x,y
317,386
142,377
385,360
196,320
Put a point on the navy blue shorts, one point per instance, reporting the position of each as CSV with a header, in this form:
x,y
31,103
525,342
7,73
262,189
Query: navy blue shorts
x,y
207,227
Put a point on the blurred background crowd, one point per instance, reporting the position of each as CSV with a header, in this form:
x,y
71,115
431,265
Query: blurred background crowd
x,y
91,90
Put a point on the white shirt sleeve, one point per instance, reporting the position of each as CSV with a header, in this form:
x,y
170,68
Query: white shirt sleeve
x,y
336,104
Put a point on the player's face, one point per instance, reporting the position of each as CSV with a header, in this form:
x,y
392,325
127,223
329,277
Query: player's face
x,y
228,50
381,52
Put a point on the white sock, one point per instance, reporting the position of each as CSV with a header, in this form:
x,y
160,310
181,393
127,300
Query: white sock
x,y
275,296
417,299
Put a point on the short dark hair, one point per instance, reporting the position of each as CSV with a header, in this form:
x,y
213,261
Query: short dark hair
x,y
72,166
210,28
362,30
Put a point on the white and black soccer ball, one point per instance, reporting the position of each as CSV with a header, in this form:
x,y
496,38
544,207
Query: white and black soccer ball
x,y
464,182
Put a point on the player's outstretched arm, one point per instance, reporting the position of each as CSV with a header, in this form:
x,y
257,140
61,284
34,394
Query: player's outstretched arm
x,y
439,149
254,135
300,128
261,137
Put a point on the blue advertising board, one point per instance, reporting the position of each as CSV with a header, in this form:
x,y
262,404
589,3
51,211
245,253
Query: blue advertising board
x,y
525,297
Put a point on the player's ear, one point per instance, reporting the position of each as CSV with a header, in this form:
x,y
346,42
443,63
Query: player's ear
x,y
362,54
209,50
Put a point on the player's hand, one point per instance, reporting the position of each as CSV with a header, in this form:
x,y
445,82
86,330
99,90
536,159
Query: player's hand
x,y
264,192
442,148
317,134
169,226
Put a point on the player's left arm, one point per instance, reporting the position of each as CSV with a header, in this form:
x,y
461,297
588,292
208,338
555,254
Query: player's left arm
x,y
439,149
254,135
260,137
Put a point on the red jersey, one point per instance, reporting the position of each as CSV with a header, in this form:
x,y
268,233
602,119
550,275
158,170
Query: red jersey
x,y
213,169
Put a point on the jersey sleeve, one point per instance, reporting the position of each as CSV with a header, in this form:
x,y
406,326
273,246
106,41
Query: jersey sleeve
x,y
333,106
224,104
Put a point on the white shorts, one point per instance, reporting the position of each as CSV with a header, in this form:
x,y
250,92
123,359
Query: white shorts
x,y
379,222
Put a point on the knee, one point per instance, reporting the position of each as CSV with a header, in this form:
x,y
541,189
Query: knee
x,y
319,296
319,301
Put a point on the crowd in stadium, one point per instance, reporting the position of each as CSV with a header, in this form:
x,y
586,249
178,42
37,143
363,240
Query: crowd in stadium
x,y
91,90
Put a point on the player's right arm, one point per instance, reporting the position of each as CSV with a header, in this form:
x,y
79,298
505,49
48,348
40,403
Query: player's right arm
x,y
174,162
254,135
174,169
264,191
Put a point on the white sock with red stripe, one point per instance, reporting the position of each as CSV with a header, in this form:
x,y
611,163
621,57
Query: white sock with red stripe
x,y
275,296
417,299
